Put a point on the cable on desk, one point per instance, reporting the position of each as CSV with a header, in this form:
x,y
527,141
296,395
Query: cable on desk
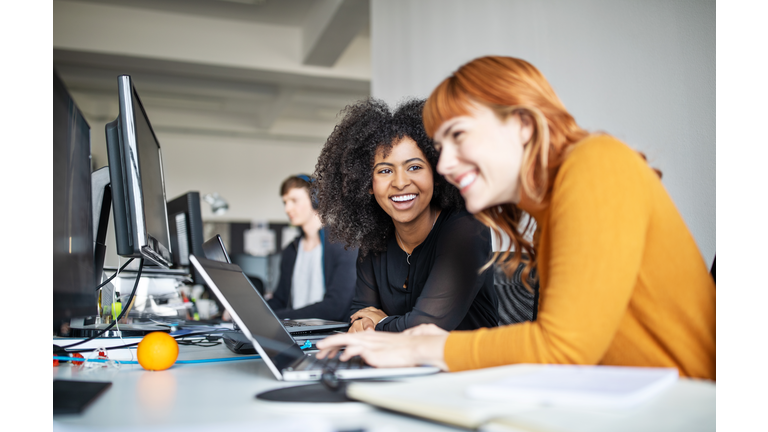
x,y
223,359
306,345
116,273
133,344
122,313
205,342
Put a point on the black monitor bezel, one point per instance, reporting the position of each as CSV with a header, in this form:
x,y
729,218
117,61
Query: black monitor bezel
x,y
189,205
132,238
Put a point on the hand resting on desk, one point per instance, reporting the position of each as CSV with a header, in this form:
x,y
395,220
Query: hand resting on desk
x,y
362,324
365,319
421,345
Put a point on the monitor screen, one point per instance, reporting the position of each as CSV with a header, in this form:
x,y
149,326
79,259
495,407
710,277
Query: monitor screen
x,y
138,188
186,222
74,275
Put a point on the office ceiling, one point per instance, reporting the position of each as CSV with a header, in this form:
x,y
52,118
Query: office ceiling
x,y
279,12
266,69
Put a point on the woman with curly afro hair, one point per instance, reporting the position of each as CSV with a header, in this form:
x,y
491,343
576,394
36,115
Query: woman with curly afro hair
x,y
420,251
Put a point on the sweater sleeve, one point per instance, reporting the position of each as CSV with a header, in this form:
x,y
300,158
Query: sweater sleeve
x,y
590,251
339,287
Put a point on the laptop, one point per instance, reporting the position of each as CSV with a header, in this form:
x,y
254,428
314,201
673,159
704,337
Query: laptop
x,y
214,250
272,341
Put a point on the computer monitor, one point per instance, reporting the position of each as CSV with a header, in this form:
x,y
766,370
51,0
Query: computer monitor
x,y
74,272
138,188
186,223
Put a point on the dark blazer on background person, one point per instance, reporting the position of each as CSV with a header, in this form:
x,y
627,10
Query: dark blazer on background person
x,y
339,275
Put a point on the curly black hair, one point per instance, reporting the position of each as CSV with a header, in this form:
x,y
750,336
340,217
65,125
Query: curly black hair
x,y
344,171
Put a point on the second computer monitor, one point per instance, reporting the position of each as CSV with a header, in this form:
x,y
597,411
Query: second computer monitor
x,y
186,224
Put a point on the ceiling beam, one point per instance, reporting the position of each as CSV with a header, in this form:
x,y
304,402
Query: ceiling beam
x,y
120,30
276,108
331,25
139,65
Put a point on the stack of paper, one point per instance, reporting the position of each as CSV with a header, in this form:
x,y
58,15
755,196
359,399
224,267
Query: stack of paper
x,y
551,398
579,386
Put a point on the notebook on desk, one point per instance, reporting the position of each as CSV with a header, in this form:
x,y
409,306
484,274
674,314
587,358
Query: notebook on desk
x,y
472,400
214,250
270,338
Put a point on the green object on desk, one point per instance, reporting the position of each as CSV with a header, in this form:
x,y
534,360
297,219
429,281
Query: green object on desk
x,y
117,308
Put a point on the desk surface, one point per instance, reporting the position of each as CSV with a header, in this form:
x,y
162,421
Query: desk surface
x,y
197,397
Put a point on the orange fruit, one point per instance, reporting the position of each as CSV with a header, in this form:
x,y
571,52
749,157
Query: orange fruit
x,y
157,351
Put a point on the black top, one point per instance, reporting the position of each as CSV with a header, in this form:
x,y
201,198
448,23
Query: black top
x,y
443,286
339,277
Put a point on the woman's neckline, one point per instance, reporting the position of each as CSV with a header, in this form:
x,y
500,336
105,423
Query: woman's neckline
x,y
303,243
435,215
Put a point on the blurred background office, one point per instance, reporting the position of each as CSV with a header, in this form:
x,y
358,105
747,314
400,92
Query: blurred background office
x,y
243,93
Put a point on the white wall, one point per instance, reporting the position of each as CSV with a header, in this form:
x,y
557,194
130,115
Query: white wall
x,y
643,71
247,173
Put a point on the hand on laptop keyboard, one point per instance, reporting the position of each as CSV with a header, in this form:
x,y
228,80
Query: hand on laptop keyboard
x,y
331,364
334,363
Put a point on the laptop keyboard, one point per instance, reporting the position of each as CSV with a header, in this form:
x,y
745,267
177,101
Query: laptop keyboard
x,y
313,363
294,324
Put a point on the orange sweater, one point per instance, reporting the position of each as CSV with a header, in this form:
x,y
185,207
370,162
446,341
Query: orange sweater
x,y
621,279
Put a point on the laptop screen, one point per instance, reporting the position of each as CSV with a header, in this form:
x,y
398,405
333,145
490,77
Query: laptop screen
x,y
256,316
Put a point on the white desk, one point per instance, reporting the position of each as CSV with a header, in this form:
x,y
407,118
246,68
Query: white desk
x,y
221,396
213,396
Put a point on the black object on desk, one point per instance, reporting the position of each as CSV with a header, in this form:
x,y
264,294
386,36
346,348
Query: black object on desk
x,y
313,393
72,397
239,343
328,390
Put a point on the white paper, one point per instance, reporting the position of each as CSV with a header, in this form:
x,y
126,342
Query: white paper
x,y
579,386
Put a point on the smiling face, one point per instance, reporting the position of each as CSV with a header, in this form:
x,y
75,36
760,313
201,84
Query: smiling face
x,y
403,181
298,206
482,155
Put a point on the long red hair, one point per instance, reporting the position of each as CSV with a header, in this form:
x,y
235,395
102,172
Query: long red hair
x,y
509,86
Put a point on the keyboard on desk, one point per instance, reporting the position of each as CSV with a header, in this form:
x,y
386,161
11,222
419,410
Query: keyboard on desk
x,y
313,325
294,324
310,362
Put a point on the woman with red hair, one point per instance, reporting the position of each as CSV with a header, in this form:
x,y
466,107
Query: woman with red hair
x,y
622,281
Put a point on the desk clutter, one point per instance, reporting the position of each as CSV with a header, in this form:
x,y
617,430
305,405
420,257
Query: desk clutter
x,y
240,388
